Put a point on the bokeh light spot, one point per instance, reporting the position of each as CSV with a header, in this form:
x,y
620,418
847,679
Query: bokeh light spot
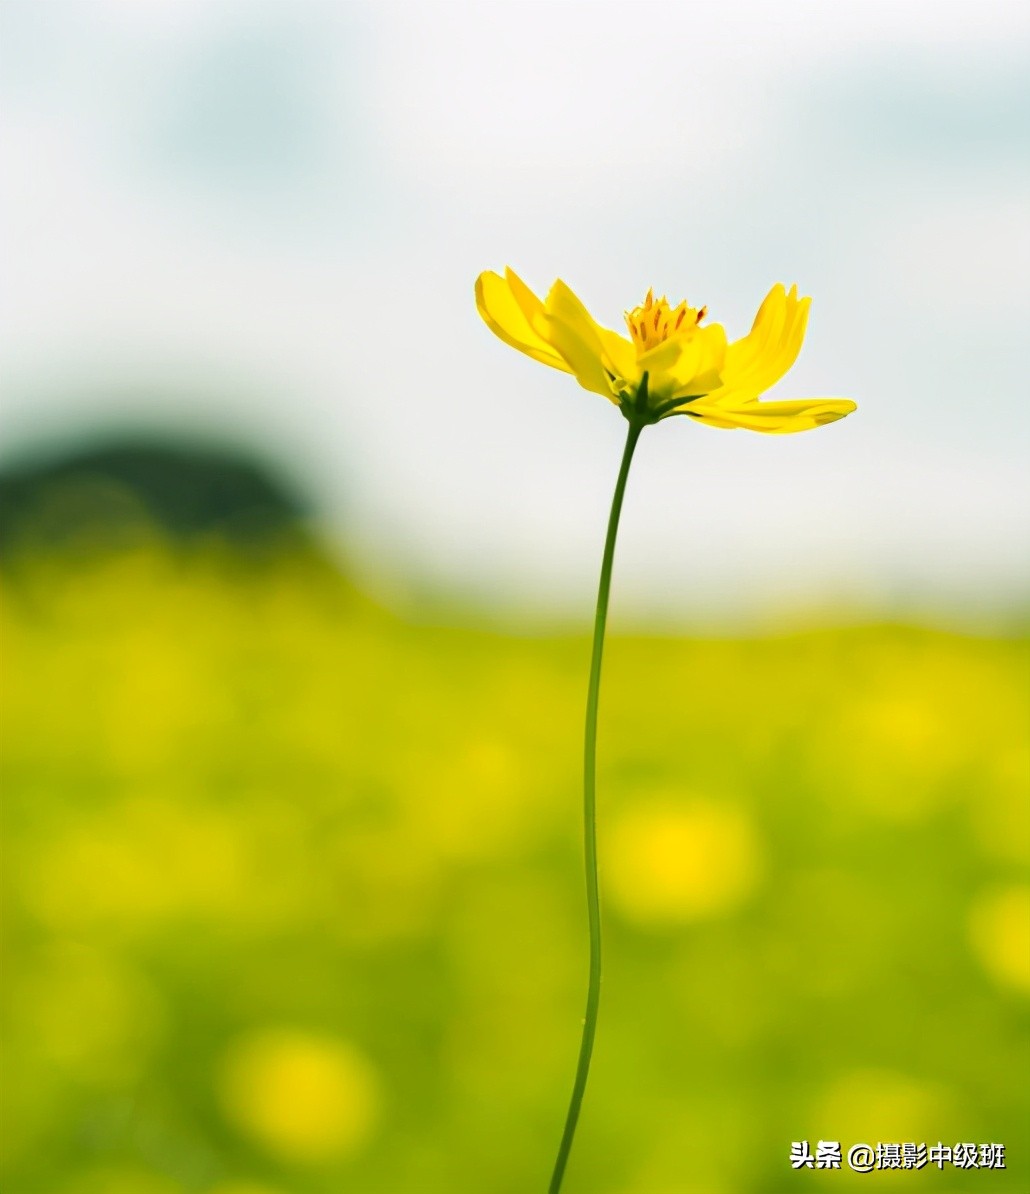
x,y
90,1014
999,930
121,1180
304,1097
671,859
243,1187
880,1105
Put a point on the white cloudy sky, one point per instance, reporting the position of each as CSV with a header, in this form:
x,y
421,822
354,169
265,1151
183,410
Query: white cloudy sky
x,y
264,221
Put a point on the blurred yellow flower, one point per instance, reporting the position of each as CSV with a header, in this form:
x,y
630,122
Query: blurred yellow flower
x,y
307,1098
670,364
675,860
999,931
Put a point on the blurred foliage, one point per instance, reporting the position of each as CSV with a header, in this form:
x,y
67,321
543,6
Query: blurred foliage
x,y
107,494
293,893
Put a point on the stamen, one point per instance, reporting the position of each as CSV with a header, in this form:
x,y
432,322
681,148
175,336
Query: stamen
x,y
647,332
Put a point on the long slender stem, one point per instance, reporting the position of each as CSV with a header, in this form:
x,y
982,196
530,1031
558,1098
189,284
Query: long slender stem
x,y
586,1047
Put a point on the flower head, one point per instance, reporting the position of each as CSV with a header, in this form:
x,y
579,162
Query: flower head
x,y
672,362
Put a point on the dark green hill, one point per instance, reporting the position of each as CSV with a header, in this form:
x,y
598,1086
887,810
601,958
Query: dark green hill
x,y
102,495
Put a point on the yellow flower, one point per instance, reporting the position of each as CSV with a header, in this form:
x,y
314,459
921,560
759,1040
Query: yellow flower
x,y
670,364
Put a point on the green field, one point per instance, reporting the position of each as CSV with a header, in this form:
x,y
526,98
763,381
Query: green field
x,y
294,895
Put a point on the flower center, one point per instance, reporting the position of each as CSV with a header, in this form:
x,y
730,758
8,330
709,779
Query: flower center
x,y
656,321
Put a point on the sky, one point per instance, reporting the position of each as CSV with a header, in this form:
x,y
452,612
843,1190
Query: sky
x,y
263,222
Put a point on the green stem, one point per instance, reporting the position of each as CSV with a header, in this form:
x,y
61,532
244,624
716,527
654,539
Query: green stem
x,y
586,1047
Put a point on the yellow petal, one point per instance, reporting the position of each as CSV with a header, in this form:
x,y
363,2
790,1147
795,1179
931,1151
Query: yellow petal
x,y
660,359
698,369
503,313
617,353
562,303
582,358
573,331
757,361
768,324
620,355
775,418
775,363
528,302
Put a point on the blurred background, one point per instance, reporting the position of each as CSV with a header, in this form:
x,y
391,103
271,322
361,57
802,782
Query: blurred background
x,y
298,564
